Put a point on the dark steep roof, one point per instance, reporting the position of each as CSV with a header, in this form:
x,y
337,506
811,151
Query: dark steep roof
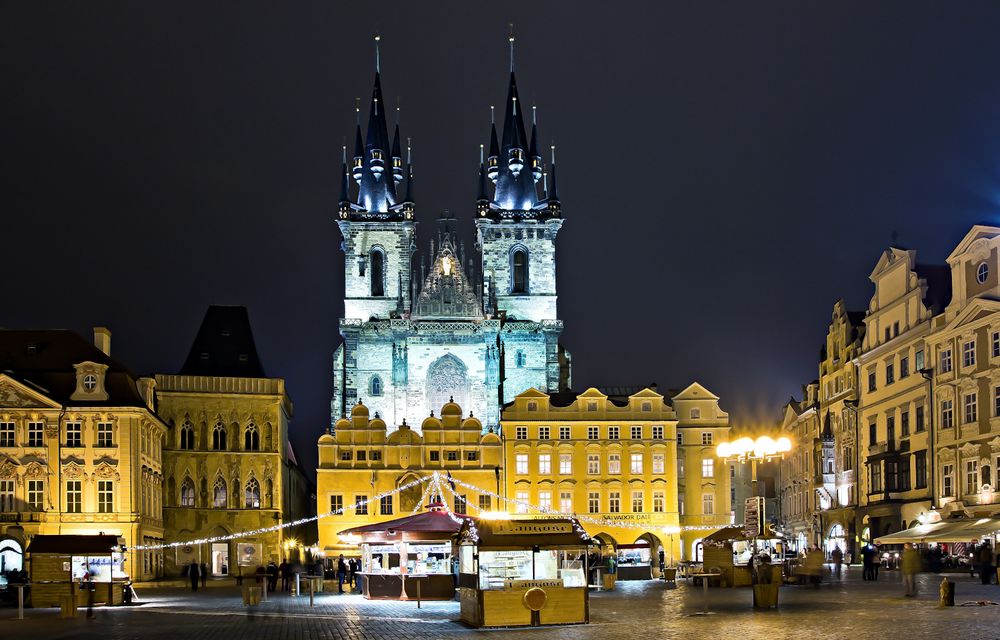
x,y
44,359
938,278
224,346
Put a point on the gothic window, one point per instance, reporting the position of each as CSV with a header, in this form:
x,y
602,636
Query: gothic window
x,y
219,494
251,438
187,436
375,386
447,378
377,258
520,360
252,494
519,270
187,493
219,437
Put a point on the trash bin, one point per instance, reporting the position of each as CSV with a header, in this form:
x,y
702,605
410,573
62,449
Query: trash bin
x,y
609,581
251,596
765,596
67,606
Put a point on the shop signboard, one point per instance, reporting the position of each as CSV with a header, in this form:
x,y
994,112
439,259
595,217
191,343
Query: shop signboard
x,y
753,516
530,527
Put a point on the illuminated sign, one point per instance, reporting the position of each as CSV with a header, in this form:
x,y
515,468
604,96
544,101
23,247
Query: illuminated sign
x,y
532,584
522,527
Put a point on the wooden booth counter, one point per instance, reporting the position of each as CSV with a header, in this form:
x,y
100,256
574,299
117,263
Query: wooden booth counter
x,y
526,572
59,562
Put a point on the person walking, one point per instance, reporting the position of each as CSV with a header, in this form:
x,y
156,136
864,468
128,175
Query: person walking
x,y
203,569
837,557
194,572
911,567
353,566
984,558
284,569
341,573
88,585
272,576
866,563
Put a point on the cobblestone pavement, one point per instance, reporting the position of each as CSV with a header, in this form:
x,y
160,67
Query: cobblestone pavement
x,y
849,608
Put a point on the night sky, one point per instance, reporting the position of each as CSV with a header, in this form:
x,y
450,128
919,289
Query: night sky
x,y
727,170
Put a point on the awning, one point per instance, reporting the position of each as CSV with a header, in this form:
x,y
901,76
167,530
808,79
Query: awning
x,y
436,524
957,530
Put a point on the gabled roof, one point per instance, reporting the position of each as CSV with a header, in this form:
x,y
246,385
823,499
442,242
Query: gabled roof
x,y
695,391
43,359
224,346
976,232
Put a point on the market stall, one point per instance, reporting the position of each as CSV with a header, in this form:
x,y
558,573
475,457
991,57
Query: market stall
x,y
408,557
729,550
523,572
58,565
946,530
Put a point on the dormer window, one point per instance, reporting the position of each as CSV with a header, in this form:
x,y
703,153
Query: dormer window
x,y
89,383
90,378
982,273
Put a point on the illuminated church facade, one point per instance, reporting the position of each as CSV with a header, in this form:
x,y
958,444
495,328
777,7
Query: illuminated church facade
x,y
423,329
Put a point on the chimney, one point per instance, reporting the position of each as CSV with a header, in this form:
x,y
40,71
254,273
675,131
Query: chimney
x,y
102,339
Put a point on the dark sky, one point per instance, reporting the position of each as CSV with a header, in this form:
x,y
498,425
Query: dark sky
x,y
727,170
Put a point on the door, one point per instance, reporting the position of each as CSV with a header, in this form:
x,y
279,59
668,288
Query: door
x,y
220,559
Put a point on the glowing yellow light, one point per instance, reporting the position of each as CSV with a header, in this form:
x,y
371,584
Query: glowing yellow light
x,y
446,265
723,450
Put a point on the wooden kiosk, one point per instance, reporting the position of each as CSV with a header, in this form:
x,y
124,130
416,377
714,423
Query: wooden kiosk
x,y
58,563
409,558
523,572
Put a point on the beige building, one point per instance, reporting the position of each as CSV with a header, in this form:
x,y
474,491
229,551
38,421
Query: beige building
x,y
797,470
361,462
80,447
227,460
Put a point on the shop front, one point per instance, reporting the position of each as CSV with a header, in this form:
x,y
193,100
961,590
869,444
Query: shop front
x,y
60,562
635,561
526,572
409,557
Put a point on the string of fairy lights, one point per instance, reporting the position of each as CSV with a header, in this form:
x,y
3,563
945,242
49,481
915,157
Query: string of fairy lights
x,y
436,486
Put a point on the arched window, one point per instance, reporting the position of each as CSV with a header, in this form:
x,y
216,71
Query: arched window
x,y
375,386
187,436
252,497
519,270
219,494
251,438
520,360
219,437
187,493
377,274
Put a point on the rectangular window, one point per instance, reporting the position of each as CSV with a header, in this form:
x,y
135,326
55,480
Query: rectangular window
x,y
7,496
593,464
362,455
521,433
521,464
848,461
385,506
708,468
471,456
680,467
658,465
904,424
637,433
920,419
918,361
904,367
969,353
657,432
593,502
36,432
565,464
74,496
435,456
565,502
544,463
485,504
947,414
593,433
635,466
890,429
995,339
659,501
706,438
947,480
564,433
970,407
708,504
105,497
74,434
904,474
543,433
871,381
6,434
345,455
946,361
614,502
872,433
876,477
337,504
890,376
104,434
36,495
920,469
460,503
971,477
545,500
996,401
522,501
637,506
614,464
361,505
374,456
680,438
451,456
612,433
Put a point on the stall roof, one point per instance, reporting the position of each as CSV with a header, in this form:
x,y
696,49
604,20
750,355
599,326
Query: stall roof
x,y
78,545
526,533
430,522
955,530
737,532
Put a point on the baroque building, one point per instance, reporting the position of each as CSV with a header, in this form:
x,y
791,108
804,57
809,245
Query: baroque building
x,y
228,464
80,447
799,492
422,329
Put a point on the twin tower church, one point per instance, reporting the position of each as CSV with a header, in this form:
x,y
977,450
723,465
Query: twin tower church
x,y
422,329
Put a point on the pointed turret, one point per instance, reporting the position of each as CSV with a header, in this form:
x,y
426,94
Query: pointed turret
x,y
536,160
359,154
397,159
493,162
553,192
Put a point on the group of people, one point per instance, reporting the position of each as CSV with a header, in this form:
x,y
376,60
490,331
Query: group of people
x,y
198,574
347,571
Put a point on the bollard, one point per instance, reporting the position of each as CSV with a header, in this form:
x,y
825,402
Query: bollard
x,y
264,592
312,585
947,593
20,602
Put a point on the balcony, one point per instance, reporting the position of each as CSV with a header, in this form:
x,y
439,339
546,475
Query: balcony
x,y
22,516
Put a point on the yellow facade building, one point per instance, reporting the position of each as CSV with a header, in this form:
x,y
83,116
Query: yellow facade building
x,y
80,447
227,460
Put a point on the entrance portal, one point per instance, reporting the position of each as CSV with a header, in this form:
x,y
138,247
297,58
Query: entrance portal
x,y
11,556
220,559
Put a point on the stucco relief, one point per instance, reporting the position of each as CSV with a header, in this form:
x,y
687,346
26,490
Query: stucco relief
x,y
105,471
73,471
35,470
8,469
11,396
